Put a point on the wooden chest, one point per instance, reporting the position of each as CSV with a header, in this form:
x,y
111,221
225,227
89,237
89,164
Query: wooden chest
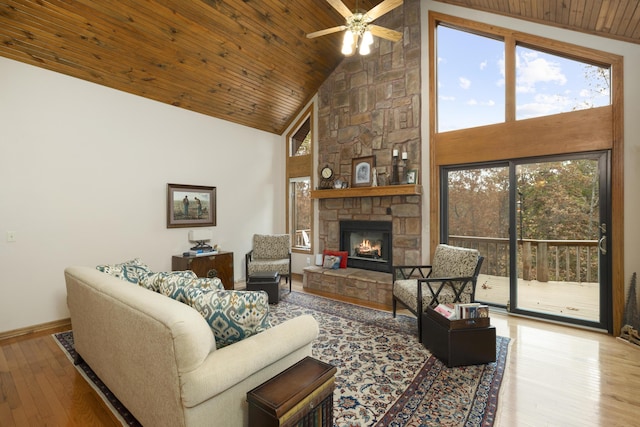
x,y
302,395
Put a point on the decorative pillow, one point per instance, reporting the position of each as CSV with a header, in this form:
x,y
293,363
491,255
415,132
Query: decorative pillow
x,y
176,289
231,315
128,270
342,254
331,261
152,281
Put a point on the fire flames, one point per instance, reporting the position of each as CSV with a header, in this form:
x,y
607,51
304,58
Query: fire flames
x,y
367,249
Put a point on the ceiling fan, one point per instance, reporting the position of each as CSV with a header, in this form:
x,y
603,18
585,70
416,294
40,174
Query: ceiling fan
x,y
359,27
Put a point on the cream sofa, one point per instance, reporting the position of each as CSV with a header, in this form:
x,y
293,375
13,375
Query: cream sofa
x,y
158,356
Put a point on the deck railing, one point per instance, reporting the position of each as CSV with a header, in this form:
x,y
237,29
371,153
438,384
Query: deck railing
x,y
541,260
302,239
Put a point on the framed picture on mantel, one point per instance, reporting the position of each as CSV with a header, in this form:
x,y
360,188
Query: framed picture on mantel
x,y
190,206
362,171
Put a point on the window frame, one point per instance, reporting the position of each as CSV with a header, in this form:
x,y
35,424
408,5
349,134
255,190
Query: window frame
x,y
299,166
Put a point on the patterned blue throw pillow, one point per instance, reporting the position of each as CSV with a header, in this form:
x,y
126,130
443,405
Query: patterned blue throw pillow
x,y
153,281
128,270
231,315
176,288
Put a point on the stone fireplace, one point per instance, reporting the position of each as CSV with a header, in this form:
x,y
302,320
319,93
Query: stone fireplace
x,y
368,243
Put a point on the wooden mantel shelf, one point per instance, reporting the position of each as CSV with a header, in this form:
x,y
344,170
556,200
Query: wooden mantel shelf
x,y
387,190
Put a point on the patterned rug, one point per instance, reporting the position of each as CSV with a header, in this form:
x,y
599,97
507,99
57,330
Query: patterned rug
x,y
385,376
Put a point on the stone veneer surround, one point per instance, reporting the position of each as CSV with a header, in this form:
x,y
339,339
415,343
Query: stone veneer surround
x,y
369,106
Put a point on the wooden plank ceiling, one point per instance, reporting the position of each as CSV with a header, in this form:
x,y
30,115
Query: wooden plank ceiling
x,y
245,61
616,19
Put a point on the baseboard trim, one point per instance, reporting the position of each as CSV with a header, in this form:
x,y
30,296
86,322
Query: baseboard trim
x,y
35,329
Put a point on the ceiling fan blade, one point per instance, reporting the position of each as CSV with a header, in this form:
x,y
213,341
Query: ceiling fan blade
x,y
385,33
340,7
327,31
381,9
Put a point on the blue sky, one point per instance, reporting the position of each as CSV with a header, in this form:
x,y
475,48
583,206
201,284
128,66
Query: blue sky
x,y
471,82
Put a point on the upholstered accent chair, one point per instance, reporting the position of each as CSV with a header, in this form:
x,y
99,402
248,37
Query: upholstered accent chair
x,y
451,278
271,252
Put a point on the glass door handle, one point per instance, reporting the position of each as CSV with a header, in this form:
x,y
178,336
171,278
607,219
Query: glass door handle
x,y
602,245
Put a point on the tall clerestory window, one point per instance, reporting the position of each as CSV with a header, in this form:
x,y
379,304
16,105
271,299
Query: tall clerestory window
x,y
299,168
485,79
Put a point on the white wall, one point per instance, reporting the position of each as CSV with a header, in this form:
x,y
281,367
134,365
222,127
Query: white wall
x,y
84,172
631,54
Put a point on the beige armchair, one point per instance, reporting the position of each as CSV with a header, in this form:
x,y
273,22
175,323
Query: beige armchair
x,y
451,278
271,252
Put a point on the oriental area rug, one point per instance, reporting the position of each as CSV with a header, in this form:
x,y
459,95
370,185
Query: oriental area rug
x,y
385,377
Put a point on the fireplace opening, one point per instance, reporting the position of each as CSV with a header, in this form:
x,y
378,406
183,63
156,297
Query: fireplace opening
x,y
368,244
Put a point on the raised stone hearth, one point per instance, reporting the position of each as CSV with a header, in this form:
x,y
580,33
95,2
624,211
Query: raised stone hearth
x,y
371,286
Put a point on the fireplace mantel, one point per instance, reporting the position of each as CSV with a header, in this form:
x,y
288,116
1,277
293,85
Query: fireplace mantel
x,y
387,190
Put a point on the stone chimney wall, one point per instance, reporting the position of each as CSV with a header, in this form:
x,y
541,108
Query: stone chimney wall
x,y
370,106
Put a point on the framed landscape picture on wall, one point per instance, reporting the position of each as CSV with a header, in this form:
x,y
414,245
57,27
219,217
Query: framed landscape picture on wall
x,y
190,206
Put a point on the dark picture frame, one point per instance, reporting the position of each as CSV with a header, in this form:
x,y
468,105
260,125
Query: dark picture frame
x,y
199,209
412,176
362,171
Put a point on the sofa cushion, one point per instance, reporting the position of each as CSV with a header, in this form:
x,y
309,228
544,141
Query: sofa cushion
x,y
344,255
451,261
152,281
129,270
231,315
271,246
176,289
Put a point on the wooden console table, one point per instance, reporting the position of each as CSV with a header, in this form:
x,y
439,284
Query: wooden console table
x,y
218,265
302,395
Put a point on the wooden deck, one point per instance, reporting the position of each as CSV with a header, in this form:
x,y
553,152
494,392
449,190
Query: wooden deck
x,y
569,299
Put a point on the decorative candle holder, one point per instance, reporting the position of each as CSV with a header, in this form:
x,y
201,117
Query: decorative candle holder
x,y
395,175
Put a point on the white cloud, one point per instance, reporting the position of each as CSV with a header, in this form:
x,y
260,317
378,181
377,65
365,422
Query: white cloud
x,y
472,102
531,69
464,82
483,65
446,98
543,105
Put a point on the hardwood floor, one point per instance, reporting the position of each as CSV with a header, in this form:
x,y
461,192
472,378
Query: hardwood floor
x,y
555,376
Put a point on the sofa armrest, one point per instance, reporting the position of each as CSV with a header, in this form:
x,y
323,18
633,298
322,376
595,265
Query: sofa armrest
x,y
230,365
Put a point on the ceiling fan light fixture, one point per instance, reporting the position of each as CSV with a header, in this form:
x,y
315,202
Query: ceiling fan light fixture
x,y
348,39
347,49
367,38
364,48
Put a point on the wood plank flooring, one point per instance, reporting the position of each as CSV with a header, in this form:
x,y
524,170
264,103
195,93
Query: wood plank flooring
x,y
555,376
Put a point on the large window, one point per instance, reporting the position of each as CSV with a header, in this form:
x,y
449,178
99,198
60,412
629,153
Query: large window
x,y
561,101
299,184
470,80
300,212
483,78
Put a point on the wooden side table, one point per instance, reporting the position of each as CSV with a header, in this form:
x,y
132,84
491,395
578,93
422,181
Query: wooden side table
x,y
301,395
218,265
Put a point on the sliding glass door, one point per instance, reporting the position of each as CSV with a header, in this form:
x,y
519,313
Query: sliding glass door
x,y
477,203
541,225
